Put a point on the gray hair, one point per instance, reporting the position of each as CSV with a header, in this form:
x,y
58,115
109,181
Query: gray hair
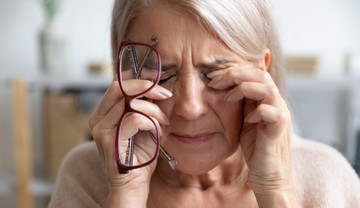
x,y
245,26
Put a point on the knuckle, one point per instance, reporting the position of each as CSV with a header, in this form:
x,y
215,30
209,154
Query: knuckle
x,y
102,137
113,89
265,77
96,133
135,119
273,90
282,116
268,77
262,76
114,84
229,73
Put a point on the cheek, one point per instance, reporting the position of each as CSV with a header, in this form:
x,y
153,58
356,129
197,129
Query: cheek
x,y
165,105
230,114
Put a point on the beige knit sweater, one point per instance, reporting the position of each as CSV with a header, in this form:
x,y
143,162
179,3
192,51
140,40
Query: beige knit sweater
x,y
323,178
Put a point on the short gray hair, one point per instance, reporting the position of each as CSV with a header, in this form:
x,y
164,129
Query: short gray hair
x,y
245,26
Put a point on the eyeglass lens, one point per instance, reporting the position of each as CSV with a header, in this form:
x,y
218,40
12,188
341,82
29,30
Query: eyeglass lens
x,y
140,147
138,62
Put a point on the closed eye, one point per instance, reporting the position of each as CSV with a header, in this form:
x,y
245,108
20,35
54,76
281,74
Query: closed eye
x,y
163,80
168,72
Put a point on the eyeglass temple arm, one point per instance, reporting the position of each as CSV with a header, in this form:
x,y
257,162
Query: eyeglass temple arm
x,y
134,58
148,51
130,152
172,162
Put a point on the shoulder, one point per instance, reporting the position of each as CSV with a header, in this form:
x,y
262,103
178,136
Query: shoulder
x,y
322,175
81,180
82,156
82,162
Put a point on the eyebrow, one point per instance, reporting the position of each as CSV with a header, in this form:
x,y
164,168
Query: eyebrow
x,y
214,64
210,65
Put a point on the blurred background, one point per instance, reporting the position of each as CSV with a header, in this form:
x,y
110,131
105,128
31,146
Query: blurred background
x,y
55,66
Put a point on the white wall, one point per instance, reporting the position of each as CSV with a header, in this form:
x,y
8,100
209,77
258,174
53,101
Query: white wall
x,y
327,28
86,23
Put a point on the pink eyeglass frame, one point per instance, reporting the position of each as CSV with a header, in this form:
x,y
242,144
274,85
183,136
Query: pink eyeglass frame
x,y
123,169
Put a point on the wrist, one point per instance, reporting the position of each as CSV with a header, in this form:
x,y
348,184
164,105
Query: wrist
x,y
275,192
128,197
278,199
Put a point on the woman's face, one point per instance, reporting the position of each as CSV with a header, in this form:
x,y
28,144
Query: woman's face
x,y
204,129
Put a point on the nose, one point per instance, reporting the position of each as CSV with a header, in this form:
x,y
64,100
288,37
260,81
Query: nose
x,y
190,102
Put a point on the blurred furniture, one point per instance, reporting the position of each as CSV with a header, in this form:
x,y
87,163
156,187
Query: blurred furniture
x,y
23,148
65,127
301,65
61,107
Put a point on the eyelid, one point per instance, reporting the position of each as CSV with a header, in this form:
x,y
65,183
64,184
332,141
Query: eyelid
x,y
165,67
153,67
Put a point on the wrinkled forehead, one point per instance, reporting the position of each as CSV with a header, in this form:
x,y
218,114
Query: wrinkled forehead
x,y
179,35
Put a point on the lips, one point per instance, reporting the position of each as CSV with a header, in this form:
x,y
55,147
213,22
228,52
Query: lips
x,y
194,138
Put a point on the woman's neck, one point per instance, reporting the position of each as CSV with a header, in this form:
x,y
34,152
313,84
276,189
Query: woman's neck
x,y
231,172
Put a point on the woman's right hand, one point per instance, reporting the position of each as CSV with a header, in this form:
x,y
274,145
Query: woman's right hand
x,y
103,124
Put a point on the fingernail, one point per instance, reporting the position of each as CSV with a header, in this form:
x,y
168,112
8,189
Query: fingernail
x,y
233,96
215,74
165,93
214,81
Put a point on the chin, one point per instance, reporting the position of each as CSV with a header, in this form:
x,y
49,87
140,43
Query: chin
x,y
200,158
199,166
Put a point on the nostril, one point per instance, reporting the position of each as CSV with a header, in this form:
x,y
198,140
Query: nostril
x,y
190,107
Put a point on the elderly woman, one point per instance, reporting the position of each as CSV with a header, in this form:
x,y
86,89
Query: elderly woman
x,y
196,117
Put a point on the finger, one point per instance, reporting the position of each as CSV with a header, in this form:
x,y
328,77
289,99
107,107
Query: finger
x,y
134,86
111,119
265,113
114,94
150,109
111,97
273,118
267,94
134,122
105,143
226,78
105,130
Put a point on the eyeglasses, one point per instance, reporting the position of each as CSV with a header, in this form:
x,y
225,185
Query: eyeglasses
x,y
135,148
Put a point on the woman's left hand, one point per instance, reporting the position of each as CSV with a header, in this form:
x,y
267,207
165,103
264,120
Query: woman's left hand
x,y
266,132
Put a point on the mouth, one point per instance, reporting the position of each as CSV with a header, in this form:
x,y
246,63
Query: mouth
x,y
194,138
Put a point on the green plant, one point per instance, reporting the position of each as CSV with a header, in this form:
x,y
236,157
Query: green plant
x,y
51,7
